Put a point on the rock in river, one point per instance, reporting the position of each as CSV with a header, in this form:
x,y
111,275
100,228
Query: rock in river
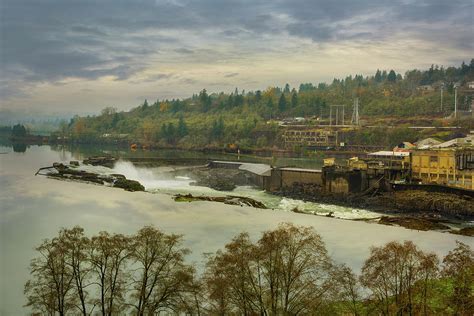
x,y
61,171
128,185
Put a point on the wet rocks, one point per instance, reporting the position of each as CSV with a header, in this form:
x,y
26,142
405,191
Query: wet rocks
x,y
128,185
402,202
444,203
74,163
106,161
466,231
229,199
413,223
63,172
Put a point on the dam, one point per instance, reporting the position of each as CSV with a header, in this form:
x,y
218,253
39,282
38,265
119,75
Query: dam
x,y
275,179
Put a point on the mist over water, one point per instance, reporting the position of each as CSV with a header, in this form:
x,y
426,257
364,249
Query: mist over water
x,y
150,178
162,180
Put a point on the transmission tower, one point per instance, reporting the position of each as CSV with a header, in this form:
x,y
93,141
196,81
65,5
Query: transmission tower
x,y
355,112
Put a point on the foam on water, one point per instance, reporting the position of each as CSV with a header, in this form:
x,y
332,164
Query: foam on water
x,y
151,178
161,180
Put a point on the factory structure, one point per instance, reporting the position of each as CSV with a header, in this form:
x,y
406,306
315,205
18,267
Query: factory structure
x,y
429,165
428,162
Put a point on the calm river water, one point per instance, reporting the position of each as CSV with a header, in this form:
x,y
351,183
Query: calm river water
x,y
34,208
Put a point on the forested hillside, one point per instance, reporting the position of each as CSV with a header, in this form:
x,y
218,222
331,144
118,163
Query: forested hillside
x,y
249,118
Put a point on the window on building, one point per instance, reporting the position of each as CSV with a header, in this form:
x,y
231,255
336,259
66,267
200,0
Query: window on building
x,y
434,159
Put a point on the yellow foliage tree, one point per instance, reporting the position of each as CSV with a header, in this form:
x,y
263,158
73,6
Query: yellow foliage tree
x,y
164,107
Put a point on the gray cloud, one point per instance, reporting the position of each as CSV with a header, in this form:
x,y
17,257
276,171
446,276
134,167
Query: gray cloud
x,y
188,81
49,40
184,51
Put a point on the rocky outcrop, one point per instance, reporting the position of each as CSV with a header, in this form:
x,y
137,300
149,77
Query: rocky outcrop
x,y
64,172
466,231
106,161
128,185
230,199
408,201
413,223
444,203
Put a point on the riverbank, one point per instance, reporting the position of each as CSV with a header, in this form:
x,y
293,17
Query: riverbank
x,y
417,210
414,209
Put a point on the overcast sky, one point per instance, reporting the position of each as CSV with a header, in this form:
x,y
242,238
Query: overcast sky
x,y
81,56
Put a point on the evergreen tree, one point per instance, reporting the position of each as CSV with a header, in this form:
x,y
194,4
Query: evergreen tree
x,y
171,131
287,89
270,103
282,103
205,100
294,99
182,127
258,95
378,76
145,104
217,130
392,76
19,130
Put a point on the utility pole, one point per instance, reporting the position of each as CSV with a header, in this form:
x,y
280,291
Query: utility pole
x,y
442,88
455,101
330,115
343,106
339,112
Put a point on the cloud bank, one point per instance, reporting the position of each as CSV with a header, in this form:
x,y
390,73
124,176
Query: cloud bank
x,y
92,53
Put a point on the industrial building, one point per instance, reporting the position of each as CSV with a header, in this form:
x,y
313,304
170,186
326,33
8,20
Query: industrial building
x,y
310,137
453,167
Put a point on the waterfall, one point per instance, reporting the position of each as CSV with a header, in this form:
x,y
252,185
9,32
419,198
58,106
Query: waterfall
x,y
150,178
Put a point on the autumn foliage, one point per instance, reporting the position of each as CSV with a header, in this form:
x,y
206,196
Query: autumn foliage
x,y
286,272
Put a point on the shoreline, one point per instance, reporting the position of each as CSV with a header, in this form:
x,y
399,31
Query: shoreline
x,y
420,220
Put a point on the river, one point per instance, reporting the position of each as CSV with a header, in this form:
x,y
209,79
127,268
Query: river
x,y
33,208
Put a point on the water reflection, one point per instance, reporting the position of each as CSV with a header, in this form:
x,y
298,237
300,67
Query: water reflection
x,y
19,148
33,208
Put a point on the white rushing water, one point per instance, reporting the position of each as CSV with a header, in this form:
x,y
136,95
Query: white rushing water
x,y
162,180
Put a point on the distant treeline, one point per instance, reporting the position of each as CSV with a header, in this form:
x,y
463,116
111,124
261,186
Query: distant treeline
x,y
17,130
286,272
244,118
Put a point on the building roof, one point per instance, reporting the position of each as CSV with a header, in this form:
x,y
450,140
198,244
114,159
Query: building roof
x,y
427,143
463,141
386,153
301,170
256,168
403,146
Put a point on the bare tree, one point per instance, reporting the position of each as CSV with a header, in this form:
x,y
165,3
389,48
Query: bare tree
x,y
391,273
50,289
108,256
349,289
458,267
233,279
286,272
217,286
192,298
296,268
161,276
76,247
